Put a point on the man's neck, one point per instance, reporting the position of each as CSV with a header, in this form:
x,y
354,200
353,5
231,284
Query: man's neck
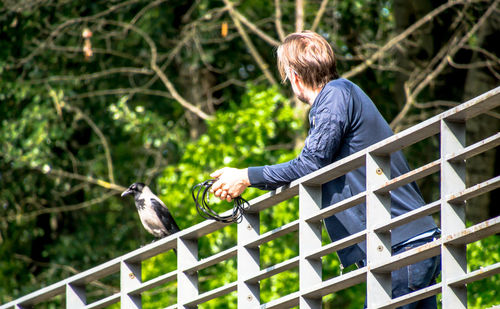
x,y
311,94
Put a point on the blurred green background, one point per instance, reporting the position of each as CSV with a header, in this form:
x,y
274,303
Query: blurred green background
x,y
97,95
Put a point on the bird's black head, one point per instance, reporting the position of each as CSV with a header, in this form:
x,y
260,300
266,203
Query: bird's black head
x,y
135,188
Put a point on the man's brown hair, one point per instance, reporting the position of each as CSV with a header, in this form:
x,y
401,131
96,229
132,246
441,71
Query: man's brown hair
x,y
310,56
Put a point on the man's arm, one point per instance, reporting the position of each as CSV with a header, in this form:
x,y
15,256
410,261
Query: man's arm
x,y
327,128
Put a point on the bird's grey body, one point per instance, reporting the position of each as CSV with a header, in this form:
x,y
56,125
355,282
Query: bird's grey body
x,y
155,216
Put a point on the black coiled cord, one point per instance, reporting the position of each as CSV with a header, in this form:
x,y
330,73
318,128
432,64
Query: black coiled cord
x,y
201,194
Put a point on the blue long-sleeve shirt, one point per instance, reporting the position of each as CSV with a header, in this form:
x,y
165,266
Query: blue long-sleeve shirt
x,y
343,120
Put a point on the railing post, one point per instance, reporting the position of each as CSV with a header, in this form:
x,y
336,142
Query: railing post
x,y
187,283
130,277
248,261
75,296
378,245
453,257
310,270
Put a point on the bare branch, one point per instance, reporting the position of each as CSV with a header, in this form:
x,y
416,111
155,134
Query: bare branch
x,y
175,51
454,47
65,24
299,15
87,179
418,76
28,259
159,165
447,105
102,138
437,103
277,21
319,15
154,66
468,66
144,10
95,128
484,52
403,35
227,83
203,57
78,50
120,91
63,78
252,27
253,50
494,72
49,210
68,268
79,187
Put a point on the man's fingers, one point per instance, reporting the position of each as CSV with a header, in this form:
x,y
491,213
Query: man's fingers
x,y
217,192
232,193
226,196
236,191
216,186
217,173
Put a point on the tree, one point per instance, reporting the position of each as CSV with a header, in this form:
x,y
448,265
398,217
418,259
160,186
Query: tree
x,y
97,95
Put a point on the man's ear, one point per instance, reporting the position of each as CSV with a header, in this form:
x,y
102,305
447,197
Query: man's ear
x,y
296,79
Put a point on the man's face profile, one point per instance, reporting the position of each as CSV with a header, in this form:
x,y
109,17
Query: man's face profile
x,y
297,85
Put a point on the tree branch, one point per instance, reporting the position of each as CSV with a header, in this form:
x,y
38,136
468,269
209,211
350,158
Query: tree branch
x,y
403,35
63,78
119,91
68,268
319,15
87,179
299,15
453,49
253,51
50,210
65,24
154,66
468,66
277,20
95,128
78,50
252,27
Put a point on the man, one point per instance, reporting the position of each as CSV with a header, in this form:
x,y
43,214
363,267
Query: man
x,y
343,121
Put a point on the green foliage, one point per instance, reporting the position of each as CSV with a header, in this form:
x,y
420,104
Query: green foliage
x,y
54,225
27,136
483,293
147,128
237,137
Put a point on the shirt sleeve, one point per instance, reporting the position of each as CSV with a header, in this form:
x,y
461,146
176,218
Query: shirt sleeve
x,y
327,126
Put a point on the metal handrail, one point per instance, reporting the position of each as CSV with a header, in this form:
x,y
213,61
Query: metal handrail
x,y
455,236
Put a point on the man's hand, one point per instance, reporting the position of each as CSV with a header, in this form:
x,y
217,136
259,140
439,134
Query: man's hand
x,y
231,182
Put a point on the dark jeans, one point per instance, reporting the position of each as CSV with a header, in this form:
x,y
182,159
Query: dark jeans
x,y
416,276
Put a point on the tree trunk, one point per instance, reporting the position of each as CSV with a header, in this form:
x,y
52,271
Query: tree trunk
x,y
478,81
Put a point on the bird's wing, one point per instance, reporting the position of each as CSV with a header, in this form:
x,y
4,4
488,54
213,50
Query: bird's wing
x,y
165,216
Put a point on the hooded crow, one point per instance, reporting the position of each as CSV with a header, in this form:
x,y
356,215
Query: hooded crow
x,y
155,216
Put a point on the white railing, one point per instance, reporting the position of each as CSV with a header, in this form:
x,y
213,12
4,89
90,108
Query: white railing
x,y
452,245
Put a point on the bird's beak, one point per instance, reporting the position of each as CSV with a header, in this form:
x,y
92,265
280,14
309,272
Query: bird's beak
x,y
126,192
